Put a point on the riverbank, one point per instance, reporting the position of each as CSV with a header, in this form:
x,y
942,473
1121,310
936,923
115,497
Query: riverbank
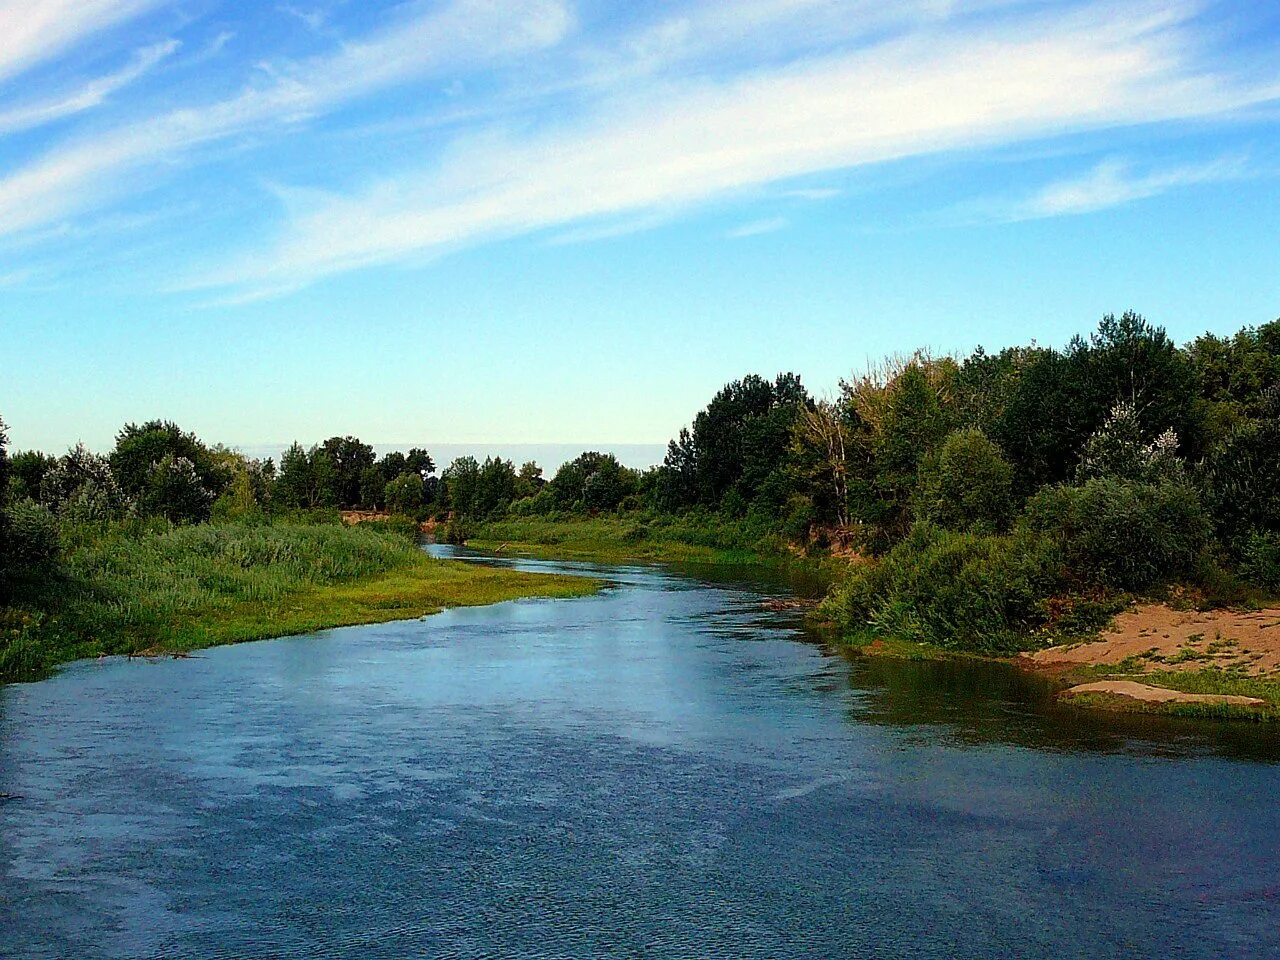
x,y
615,539
160,589
1152,658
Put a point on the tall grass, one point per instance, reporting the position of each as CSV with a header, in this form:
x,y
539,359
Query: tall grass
x,y
135,587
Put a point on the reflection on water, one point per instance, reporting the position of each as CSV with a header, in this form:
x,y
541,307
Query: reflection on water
x,y
660,770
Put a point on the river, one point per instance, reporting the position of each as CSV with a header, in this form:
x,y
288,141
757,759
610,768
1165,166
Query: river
x,y
666,769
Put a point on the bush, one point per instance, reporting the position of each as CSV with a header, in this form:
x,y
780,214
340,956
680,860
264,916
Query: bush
x,y
961,591
1260,560
31,540
1121,534
966,485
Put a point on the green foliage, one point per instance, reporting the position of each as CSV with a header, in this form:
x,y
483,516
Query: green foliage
x,y
27,470
740,439
1240,477
166,471
340,463
1260,560
81,487
146,584
958,591
404,494
1118,449
1235,374
373,488
966,485
1121,534
592,481
32,543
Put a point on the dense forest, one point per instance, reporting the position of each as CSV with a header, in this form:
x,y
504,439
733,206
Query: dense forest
x,y
982,501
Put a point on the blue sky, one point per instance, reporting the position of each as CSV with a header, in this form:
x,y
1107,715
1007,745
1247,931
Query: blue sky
x,y
520,221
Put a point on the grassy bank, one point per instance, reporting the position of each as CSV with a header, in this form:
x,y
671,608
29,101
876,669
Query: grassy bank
x,y
130,589
690,538
683,539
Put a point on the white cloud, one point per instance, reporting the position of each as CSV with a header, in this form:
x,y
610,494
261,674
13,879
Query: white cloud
x,y
32,31
757,227
812,193
1113,183
465,32
91,95
678,144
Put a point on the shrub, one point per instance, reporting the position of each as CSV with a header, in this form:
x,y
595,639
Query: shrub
x,y
966,485
1260,560
33,542
962,591
1241,481
1123,534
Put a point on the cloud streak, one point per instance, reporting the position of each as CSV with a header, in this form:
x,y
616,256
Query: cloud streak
x,y
679,144
1114,183
33,31
463,33
92,94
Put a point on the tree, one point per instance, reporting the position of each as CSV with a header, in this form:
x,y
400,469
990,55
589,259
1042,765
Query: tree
x,y
136,459
27,470
966,485
372,488
174,490
404,494
1118,449
739,440
820,448
340,478
592,481
296,486
528,480
82,486
1240,478
495,487
462,481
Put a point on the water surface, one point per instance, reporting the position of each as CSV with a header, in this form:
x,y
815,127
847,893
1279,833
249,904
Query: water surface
x,y
668,769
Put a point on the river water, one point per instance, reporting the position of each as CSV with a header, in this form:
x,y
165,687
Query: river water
x,y
667,769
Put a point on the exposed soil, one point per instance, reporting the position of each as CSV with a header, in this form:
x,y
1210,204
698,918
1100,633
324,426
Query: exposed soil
x,y
1153,636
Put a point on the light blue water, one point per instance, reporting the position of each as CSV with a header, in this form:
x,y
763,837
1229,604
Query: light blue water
x,y
663,770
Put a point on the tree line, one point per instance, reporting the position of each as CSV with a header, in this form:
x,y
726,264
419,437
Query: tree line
x,y
1117,462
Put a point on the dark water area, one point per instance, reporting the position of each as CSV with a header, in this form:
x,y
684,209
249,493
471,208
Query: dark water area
x,y
667,769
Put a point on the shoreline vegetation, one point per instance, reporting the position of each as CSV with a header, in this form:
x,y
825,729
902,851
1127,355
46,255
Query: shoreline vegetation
x,y
153,589
991,504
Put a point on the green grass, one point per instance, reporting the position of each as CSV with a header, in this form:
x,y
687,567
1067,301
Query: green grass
x,y
701,539
177,589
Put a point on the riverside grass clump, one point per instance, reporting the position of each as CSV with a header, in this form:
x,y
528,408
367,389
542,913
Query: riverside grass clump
x,y
152,587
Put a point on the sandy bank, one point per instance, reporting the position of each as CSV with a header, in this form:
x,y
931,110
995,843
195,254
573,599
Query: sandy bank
x,y
1153,636
1142,691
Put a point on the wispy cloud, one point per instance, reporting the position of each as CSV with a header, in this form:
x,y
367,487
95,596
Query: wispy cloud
x,y
33,31
812,193
464,32
91,95
757,227
1113,183
681,143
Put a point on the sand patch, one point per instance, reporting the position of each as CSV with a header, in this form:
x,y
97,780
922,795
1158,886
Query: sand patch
x,y
1141,691
1153,636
